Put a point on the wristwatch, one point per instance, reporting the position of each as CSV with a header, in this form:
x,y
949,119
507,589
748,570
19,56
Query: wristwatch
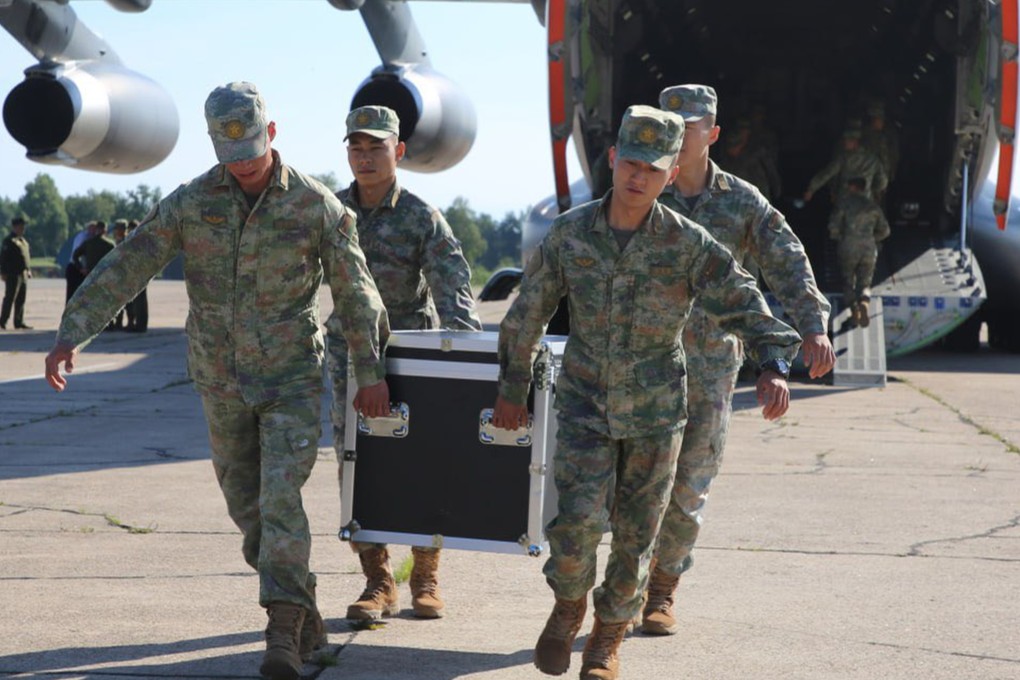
x,y
777,365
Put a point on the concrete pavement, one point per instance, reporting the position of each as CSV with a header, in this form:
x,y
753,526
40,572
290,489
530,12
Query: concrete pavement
x,y
869,533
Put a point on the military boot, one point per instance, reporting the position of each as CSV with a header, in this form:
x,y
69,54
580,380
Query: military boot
x,y
862,310
601,657
425,584
313,632
657,616
380,596
552,651
282,660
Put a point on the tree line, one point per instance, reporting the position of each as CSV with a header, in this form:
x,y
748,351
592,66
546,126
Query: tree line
x,y
488,243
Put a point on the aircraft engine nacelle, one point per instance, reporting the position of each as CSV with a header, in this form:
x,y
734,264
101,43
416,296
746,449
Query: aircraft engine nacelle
x,y
92,116
437,120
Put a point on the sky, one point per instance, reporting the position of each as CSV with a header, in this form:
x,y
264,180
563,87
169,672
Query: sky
x,y
308,59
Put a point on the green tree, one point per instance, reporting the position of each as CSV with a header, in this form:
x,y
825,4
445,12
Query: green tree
x,y
45,209
136,203
8,209
94,205
464,223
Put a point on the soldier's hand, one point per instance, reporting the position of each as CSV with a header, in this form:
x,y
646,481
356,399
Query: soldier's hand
x,y
373,401
509,416
773,395
819,356
62,353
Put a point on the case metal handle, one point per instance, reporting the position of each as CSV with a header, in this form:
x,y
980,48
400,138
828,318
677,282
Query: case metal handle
x,y
497,436
395,425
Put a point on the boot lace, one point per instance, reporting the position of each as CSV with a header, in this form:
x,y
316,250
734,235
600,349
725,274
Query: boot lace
x,y
606,640
566,618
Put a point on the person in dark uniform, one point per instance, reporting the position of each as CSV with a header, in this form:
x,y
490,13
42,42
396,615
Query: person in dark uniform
x,y
137,309
14,269
72,272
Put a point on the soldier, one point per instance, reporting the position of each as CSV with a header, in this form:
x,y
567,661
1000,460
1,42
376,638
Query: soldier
x,y
15,271
94,249
854,161
72,272
425,282
750,161
857,225
258,237
881,140
739,217
631,269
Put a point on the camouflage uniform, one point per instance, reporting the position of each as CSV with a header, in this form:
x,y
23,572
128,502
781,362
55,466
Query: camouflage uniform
x,y
14,260
421,273
255,350
857,224
739,217
621,393
849,164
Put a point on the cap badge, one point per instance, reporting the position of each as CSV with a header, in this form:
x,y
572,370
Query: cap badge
x,y
234,129
362,118
674,102
647,134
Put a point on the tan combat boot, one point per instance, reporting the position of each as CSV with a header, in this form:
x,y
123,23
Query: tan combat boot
x,y
380,596
282,660
657,616
313,632
425,584
601,657
862,309
552,651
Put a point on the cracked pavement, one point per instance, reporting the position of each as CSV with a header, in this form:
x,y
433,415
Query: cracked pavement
x,y
869,533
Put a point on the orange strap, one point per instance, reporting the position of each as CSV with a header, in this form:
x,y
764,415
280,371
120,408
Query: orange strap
x,y
556,21
1007,112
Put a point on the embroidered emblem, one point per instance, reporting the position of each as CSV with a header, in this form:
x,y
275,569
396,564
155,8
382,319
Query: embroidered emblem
x,y
647,134
674,102
584,261
214,219
363,118
234,129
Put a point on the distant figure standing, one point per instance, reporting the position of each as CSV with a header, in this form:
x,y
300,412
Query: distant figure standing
x,y
15,271
119,232
72,272
137,309
858,225
94,249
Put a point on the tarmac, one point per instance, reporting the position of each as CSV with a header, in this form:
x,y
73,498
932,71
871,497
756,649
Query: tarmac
x,y
870,533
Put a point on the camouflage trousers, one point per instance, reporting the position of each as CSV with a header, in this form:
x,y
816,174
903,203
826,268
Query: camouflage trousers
x,y
263,455
336,358
857,268
584,467
709,407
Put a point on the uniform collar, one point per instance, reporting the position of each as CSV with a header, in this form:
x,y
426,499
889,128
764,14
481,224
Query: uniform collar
x,y
389,200
600,221
281,174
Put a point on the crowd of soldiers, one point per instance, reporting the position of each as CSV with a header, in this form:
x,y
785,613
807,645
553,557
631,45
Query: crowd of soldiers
x,y
663,314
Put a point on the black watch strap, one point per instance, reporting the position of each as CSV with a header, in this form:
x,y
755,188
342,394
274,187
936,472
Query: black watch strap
x,y
780,366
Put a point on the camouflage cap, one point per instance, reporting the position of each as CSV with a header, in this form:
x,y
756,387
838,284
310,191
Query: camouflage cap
x,y
120,224
236,115
650,135
377,121
691,101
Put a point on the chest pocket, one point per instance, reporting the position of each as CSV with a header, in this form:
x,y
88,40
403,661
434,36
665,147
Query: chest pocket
x,y
661,303
589,283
